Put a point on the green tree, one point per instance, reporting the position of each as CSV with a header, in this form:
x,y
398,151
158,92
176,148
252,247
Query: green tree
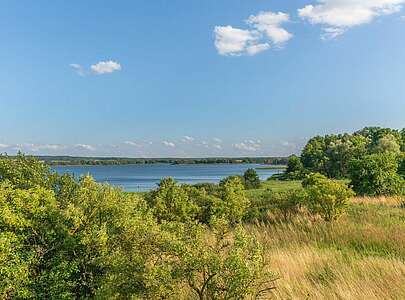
x,y
374,134
32,238
401,166
294,164
251,179
387,144
24,171
230,266
376,174
313,155
326,197
232,203
171,202
403,140
295,169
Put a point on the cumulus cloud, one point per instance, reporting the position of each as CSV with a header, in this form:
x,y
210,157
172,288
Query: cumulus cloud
x,y
187,139
130,143
85,147
2,146
264,31
104,67
233,41
337,16
169,144
248,145
270,24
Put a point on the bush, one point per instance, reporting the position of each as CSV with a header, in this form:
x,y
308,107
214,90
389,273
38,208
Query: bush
x,y
232,203
401,167
325,197
171,202
67,239
375,175
230,266
24,172
251,179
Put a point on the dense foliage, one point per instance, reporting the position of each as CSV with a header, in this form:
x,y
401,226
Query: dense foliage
x,y
326,197
376,174
72,160
66,239
250,179
373,158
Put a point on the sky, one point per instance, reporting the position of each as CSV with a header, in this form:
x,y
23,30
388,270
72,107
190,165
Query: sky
x,y
196,78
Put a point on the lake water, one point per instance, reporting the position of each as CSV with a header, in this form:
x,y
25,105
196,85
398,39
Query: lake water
x,y
137,178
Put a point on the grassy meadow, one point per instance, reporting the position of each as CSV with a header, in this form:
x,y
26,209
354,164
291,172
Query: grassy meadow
x,y
359,256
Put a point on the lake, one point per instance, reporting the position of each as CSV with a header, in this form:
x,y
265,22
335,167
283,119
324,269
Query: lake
x,y
144,177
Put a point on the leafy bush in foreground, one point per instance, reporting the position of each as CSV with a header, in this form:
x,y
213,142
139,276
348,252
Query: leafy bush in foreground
x,y
326,197
67,239
171,202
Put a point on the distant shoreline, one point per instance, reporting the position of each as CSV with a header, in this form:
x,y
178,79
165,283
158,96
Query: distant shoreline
x,y
273,162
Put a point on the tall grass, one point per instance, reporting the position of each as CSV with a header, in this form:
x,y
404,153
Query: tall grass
x,y
360,256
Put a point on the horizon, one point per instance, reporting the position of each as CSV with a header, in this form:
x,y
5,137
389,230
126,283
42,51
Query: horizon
x,y
154,79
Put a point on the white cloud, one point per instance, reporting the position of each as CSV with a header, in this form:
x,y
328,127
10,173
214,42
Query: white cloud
x,y
337,16
187,139
219,147
4,146
265,30
217,140
270,24
85,147
169,144
233,41
52,147
248,145
254,49
79,69
104,67
130,143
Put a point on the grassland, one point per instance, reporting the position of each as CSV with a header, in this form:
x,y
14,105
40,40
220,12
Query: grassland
x,y
360,256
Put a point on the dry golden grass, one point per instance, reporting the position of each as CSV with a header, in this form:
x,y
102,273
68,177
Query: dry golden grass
x,y
361,256
381,200
311,273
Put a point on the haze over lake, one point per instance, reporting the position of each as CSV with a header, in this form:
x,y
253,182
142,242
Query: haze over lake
x,y
144,177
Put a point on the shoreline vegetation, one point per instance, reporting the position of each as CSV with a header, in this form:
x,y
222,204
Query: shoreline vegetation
x,y
272,167
331,227
91,161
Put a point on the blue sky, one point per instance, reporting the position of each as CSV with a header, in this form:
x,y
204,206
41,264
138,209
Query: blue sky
x,y
196,78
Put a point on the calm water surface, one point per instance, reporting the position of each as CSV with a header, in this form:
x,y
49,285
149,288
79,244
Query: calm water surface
x,y
139,178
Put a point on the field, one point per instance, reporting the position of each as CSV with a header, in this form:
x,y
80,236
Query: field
x,y
360,256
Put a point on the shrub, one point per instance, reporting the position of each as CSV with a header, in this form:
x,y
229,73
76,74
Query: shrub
x,y
325,197
67,239
232,203
288,203
251,179
230,265
171,202
24,171
401,167
375,175
31,237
